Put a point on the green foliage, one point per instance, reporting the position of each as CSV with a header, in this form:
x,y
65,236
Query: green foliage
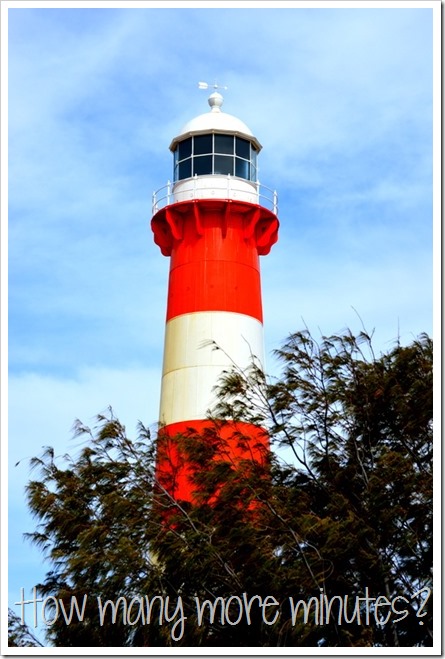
x,y
19,635
349,514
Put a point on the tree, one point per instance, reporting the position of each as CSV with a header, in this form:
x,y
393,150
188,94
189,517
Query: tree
x,y
19,635
350,516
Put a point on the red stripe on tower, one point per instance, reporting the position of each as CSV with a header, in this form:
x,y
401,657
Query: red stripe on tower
x,y
213,222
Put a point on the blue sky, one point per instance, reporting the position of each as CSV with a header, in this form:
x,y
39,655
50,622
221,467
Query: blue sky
x,y
341,100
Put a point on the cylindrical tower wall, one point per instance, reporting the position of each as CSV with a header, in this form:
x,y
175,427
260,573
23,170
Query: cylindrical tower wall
x,y
214,308
214,315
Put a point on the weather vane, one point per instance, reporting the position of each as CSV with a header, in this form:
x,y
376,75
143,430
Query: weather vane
x,y
205,85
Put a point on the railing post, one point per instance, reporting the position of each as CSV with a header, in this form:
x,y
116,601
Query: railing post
x,y
275,202
168,192
153,203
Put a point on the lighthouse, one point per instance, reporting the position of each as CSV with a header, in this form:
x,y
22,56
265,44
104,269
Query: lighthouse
x,y
213,220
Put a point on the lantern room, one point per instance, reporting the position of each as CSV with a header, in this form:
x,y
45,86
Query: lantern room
x,y
215,157
215,153
215,143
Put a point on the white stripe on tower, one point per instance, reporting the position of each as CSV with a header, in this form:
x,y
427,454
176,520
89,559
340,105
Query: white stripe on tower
x,y
199,346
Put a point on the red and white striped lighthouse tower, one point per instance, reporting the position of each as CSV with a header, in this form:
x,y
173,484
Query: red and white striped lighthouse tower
x,y
213,221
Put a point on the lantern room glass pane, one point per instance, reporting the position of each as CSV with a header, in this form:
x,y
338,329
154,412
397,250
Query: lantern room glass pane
x,y
242,148
202,144
185,149
224,143
202,165
223,165
185,169
242,168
